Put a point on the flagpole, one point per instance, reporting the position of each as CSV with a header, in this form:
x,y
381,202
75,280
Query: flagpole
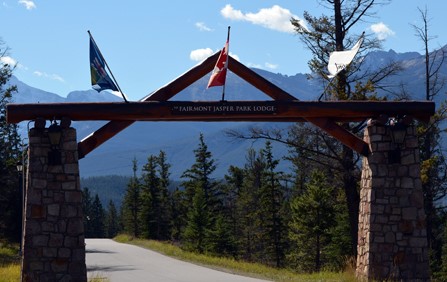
x,y
226,64
105,62
326,88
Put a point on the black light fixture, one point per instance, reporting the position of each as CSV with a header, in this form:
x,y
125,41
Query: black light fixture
x,y
54,136
19,166
398,132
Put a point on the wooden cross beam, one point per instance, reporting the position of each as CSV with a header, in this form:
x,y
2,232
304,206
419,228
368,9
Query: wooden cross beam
x,y
275,111
156,106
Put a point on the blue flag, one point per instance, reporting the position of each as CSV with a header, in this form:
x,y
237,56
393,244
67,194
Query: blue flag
x,y
100,78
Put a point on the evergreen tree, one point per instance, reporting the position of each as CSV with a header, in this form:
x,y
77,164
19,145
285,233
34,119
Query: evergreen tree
x,y
272,209
149,199
259,208
221,239
155,208
112,222
178,210
132,204
203,192
311,219
97,218
232,191
10,154
196,231
87,204
249,236
338,248
164,216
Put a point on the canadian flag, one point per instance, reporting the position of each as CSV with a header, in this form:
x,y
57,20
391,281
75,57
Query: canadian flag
x,y
220,69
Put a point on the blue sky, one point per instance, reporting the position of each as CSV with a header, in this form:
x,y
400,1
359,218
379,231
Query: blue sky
x,y
147,44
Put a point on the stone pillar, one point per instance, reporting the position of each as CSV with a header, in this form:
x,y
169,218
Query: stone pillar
x,y
53,246
392,239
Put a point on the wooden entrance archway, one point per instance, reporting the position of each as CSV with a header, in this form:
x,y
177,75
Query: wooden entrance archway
x,y
284,107
156,107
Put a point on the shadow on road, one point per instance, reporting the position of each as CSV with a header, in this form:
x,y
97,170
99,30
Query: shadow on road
x,y
99,268
95,251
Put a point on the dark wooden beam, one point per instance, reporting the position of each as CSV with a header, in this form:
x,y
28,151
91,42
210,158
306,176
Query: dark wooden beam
x,y
321,114
122,113
164,93
327,125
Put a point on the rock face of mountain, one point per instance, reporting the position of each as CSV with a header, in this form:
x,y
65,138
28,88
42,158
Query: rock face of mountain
x,y
179,139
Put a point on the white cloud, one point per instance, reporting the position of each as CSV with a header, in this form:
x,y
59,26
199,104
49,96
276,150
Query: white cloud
x,y
264,66
29,5
8,60
253,65
275,18
200,54
12,62
234,56
202,26
381,30
271,66
49,76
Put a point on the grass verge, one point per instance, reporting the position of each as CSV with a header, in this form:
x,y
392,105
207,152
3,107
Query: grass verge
x,y
233,266
9,263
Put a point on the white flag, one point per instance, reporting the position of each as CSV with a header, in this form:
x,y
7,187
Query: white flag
x,y
339,60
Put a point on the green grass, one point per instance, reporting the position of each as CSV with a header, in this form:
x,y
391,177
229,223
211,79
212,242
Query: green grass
x,y
97,277
9,263
237,267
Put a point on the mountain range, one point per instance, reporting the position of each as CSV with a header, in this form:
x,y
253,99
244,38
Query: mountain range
x,y
179,139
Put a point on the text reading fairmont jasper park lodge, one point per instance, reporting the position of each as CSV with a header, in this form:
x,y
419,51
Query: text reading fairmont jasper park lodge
x,y
209,109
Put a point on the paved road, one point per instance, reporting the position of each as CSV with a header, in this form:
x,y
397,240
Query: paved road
x,y
123,262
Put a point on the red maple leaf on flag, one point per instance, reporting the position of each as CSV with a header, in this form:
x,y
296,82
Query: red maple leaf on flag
x,y
220,69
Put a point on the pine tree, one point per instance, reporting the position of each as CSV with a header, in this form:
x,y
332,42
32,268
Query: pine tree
x,y
221,239
97,218
202,191
10,154
200,173
178,210
164,216
87,203
232,191
311,219
112,222
272,208
132,204
249,236
149,199
198,223
155,205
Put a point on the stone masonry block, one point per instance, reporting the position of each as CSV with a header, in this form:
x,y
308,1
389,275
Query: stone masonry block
x,y
389,218
73,196
53,209
54,247
40,240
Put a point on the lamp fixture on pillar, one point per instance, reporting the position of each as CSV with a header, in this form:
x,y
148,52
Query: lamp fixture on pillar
x,y
54,136
398,132
19,166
